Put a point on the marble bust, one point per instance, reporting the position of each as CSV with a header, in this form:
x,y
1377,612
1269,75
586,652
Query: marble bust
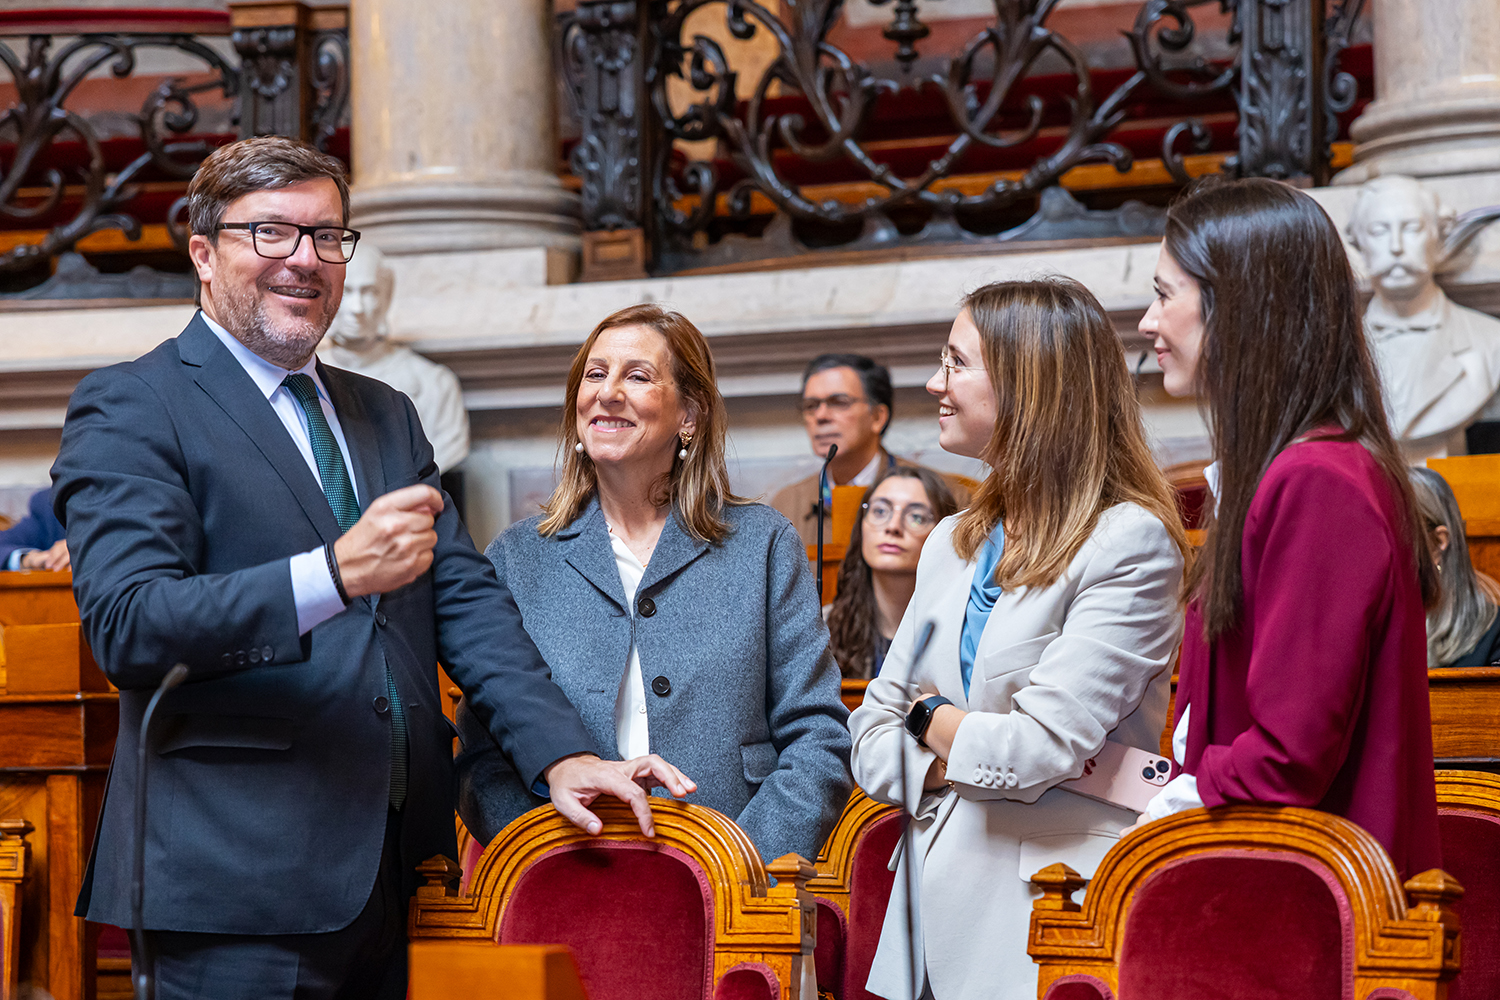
x,y
360,340
1439,362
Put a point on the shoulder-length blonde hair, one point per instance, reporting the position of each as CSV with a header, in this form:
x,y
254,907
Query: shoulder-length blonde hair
x,y
1068,441
697,486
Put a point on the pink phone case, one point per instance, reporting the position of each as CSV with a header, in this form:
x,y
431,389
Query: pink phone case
x,y
1122,776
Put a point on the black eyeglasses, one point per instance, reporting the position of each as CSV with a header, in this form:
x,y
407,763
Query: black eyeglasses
x,y
279,240
917,518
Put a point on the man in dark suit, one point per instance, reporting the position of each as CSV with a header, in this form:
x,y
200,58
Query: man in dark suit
x,y
36,541
276,525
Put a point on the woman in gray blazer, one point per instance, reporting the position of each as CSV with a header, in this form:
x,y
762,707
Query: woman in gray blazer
x,y
679,619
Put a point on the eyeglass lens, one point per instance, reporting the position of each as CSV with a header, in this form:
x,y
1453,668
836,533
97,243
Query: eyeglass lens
x,y
916,517
277,241
837,403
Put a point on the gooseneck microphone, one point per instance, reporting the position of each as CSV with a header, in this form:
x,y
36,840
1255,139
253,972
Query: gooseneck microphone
x,y
913,887
143,980
833,450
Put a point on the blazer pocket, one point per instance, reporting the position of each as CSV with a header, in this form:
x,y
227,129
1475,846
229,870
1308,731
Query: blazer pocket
x,y
245,732
760,761
1080,851
1019,656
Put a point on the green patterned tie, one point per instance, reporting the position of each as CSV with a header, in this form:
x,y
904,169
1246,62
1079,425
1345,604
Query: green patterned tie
x,y
340,493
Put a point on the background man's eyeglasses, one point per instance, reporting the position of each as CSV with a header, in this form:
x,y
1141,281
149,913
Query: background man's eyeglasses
x,y
279,240
916,517
838,403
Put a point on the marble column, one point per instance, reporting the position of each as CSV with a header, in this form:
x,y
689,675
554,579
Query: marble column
x,y
1437,91
454,128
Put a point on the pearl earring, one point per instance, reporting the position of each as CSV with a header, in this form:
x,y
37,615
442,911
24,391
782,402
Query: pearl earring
x,y
578,447
687,439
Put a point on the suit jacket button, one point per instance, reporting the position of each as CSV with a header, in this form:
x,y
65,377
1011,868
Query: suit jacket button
x,y
240,658
661,686
382,704
254,655
266,653
647,607
1011,781
228,659
380,618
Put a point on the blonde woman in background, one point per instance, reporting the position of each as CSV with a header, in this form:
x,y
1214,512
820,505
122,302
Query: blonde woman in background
x,y
1463,629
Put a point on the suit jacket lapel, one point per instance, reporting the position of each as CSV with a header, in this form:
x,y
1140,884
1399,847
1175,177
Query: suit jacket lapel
x,y
359,435
674,550
228,385
587,548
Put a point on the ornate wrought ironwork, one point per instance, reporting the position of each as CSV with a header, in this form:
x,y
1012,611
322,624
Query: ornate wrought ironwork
x,y
604,52
1283,79
45,81
328,79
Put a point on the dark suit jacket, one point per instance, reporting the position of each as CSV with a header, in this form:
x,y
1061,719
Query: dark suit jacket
x,y
39,529
184,498
1319,697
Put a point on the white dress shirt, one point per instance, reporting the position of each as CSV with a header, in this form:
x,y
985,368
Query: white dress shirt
x,y
632,733
313,591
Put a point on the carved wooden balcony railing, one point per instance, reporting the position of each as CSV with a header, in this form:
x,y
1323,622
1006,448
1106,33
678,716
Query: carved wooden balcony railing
x,y
817,114
61,182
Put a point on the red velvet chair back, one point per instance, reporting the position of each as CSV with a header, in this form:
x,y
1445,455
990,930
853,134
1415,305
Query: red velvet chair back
x,y
1469,823
853,888
1252,926
1245,903
690,914
622,907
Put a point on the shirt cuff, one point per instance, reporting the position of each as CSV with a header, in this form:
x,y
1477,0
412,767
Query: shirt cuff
x,y
1177,795
13,561
313,592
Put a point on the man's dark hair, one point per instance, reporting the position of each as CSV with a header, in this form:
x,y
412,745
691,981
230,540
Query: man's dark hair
x,y
264,163
875,377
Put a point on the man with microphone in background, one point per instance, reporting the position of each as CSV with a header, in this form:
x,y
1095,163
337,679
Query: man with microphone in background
x,y
276,526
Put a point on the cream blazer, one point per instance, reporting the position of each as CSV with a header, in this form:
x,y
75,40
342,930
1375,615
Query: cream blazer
x,y
1057,671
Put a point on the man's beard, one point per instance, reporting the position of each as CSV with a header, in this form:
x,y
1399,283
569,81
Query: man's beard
x,y
288,345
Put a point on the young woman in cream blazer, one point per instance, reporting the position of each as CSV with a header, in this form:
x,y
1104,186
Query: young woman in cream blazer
x,y
1073,547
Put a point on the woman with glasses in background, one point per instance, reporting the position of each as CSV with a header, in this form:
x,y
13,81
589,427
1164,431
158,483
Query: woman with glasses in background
x,y
1042,624
879,574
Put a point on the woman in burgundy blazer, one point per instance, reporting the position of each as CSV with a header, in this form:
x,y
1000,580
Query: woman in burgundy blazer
x,y
1304,664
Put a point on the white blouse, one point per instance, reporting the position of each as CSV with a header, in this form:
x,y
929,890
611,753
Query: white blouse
x,y
632,736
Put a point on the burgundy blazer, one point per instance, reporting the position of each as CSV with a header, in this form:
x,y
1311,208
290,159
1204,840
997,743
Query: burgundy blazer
x,y
1319,697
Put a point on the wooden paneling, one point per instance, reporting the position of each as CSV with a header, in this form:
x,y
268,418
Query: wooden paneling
x,y
15,863
1465,713
48,658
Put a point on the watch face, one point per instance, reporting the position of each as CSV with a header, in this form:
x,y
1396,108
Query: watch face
x,y
916,719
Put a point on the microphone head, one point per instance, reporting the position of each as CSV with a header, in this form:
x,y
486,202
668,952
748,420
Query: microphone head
x,y
174,677
833,450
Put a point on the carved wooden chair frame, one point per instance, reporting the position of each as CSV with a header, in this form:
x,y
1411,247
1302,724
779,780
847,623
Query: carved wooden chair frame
x,y
15,858
754,921
835,864
1396,946
1476,791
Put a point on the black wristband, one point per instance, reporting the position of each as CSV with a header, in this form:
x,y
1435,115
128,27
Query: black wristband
x,y
333,571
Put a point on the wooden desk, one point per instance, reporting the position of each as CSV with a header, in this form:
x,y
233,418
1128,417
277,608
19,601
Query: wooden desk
x,y
483,970
1475,481
58,722
853,693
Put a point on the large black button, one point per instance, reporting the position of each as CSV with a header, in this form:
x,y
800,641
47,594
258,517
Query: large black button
x,y
647,607
661,686
382,704
380,618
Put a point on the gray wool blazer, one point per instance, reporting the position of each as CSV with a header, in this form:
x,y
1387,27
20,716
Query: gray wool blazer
x,y
741,691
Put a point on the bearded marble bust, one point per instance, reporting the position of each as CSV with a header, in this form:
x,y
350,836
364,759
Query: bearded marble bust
x,y
1439,362
360,340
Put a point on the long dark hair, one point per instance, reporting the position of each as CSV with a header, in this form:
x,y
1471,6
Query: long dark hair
x,y
852,615
1283,354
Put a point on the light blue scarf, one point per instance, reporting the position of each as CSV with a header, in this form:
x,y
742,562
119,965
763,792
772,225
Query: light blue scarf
x,y
982,597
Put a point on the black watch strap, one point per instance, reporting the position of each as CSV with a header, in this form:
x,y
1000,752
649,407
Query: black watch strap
x,y
920,716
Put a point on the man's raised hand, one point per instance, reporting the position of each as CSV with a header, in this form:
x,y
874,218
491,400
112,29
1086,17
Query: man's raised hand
x,y
391,544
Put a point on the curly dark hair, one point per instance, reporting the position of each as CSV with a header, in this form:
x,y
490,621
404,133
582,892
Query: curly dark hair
x,y
852,616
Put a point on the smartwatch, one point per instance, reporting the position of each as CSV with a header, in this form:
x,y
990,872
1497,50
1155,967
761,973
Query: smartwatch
x,y
920,716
